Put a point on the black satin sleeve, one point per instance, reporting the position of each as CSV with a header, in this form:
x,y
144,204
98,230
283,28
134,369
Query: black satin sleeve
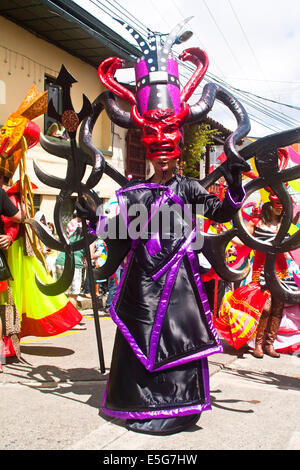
x,y
210,205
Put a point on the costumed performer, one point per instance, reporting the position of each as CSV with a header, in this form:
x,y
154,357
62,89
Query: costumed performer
x,y
159,379
11,324
39,315
251,310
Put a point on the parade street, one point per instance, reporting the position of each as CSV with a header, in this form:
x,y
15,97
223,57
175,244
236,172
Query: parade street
x,y
51,400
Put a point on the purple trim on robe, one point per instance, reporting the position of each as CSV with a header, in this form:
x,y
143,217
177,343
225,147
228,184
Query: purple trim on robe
x,y
205,375
140,186
92,229
173,265
193,357
153,245
101,224
203,297
169,413
160,314
177,257
238,201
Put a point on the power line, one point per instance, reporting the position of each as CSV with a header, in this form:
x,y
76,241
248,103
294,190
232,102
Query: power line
x,y
251,101
222,34
292,82
136,20
125,16
273,101
244,96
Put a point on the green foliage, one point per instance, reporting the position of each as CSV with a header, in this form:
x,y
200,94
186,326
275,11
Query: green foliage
x,y
196,137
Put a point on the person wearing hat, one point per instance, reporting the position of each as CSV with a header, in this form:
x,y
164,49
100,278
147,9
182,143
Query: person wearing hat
x,y
26,311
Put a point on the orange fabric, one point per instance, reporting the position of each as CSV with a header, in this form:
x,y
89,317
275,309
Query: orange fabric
x,y
239,314
240,310
259,262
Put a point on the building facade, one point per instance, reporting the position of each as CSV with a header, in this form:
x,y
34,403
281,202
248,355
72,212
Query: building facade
x,y
28,58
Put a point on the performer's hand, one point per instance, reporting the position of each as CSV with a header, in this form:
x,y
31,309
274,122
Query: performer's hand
x,y
5,242
85,211
232,170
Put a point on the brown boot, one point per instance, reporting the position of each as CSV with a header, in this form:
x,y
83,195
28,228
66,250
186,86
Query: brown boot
x,y
273,327
260,333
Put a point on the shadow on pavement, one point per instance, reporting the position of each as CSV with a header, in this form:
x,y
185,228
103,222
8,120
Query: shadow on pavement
x,y
67,383
284,382
49,351
223,403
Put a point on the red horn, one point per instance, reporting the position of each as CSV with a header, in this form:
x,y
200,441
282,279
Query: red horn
x,y
183,113
136,117
106,72
199,58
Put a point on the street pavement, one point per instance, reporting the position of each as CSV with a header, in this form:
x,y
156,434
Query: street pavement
x,y
51,400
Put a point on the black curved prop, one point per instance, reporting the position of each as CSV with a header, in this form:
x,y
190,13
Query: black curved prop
x,y
76,167
86,155
266,158
212,92
214,249
265,151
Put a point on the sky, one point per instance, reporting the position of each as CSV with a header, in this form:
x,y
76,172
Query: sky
x,y
253,48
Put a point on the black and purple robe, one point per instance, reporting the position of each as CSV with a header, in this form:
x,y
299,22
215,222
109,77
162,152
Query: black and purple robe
x,y
165,332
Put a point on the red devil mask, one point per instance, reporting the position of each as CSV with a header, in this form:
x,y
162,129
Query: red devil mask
x,y
161,131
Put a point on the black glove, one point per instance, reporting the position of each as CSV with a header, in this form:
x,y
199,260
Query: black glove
x,y
85,211
232,170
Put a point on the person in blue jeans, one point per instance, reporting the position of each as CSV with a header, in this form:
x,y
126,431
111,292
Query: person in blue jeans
x,y
113,283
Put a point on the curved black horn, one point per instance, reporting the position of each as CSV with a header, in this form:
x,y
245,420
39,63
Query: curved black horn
x,y
214,251
204,105
46,178
86,145
262,145
115,175
115,113
211,92
63,282
60,148
49,240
